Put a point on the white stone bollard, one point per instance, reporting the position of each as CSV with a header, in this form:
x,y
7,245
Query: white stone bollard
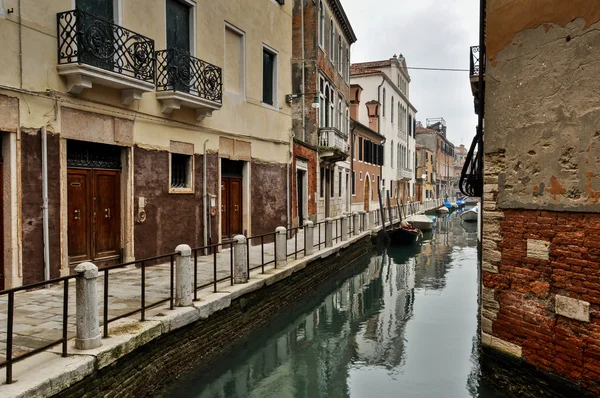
x,y
240,259
87,323
328,232
356,222
309,242
184,276
365,220
280,246
345,227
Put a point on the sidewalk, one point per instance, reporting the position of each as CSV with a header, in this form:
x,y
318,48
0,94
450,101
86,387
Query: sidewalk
x,y
38,314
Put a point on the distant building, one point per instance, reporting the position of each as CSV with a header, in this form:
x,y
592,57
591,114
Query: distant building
x,y
434,138
387,82
425,185
460,155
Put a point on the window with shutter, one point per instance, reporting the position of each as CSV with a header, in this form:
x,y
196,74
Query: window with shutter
x,y
269,75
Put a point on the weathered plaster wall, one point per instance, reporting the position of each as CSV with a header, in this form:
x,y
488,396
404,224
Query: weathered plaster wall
x,y
31,183
542,114
268,197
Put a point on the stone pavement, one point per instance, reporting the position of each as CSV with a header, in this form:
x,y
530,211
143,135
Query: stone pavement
x,y
38,314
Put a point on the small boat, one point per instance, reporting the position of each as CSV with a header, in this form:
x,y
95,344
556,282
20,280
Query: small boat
x,y
443,210
405,234
470,215
421,222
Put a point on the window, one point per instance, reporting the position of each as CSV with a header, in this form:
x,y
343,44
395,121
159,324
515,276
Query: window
x,y
331,40
360,175
322,108
360,148
321,25
383,102
331,108
353,182
347,124
340,115
181,172
339,58
340,185
392,110
392,154
269,77
234,60
331,183
321,185
347,65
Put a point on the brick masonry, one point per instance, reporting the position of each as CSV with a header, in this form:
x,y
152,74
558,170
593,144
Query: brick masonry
x,y
145,371
541,299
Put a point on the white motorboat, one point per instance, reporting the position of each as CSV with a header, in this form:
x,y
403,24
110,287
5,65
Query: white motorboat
x,y
470,215
421,222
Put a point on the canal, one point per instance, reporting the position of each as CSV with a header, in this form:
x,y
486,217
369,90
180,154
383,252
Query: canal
x,y
401,323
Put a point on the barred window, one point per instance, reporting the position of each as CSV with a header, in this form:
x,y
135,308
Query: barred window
x,y
181,171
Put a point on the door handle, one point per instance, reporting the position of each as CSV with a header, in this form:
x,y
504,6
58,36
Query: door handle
x,y
77,213
106,213
236,208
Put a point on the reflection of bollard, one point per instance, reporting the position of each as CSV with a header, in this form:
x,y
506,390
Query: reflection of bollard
x,y
280,246
356,222
328,232
365,217
240,259
87,323
184,276
345,224
309,243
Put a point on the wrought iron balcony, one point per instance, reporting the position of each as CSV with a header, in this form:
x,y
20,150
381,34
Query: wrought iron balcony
x,y
333,144
476,67
474,58
183,80
93,50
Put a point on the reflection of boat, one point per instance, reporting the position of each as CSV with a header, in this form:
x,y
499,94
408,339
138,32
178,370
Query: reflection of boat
x,y
460,202
405,234
470,227
421,222
443,210
470,215
427,236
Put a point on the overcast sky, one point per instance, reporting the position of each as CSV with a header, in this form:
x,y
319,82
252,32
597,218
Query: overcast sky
x,y
429,33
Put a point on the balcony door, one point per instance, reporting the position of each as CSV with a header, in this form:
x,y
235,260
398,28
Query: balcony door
x,y
97,36
178,41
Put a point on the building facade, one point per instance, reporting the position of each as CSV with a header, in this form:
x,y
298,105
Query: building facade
x,y
367,153
155,132
434,138
460,156
541,191
425,185
320,98
387,82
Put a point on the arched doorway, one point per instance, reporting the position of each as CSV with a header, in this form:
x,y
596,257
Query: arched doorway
x,y
367,193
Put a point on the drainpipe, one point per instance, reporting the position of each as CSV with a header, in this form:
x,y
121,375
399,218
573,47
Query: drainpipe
x,y
303,82
205,198
351,161
45,204
20,45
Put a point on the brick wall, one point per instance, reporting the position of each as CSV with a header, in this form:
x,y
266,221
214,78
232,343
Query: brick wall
x,y
145,371
541,290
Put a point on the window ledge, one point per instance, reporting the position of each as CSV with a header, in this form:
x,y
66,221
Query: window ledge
x,y
181,190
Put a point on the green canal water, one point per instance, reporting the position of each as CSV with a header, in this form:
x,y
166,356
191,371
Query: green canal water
x,y
401,323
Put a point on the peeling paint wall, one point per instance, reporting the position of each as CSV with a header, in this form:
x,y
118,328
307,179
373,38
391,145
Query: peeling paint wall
x,y
542,112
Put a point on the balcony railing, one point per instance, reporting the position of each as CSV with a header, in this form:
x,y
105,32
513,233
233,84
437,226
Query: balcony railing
x,y
474,58
86,39
179,71
405,174
333,144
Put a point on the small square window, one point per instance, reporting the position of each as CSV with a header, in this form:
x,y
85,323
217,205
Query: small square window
x,y
181,173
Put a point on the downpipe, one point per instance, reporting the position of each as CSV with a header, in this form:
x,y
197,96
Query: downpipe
x,y
205,199
45,230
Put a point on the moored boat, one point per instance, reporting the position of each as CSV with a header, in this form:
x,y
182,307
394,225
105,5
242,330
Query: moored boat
x,y
405,234
470,215
421,222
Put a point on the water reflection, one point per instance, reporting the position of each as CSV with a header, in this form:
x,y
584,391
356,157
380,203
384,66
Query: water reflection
x,y
403,324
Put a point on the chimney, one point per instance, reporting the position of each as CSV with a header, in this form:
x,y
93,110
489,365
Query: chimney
x,y
373,111
355,92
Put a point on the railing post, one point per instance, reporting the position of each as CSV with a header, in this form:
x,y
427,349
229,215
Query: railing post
x,y
309,241
365,220
356,222
281,246
86,307
240,259
184,276
328,232
345,227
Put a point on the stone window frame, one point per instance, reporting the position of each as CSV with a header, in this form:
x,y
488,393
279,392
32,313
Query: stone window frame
x,y
184,150
331,40
321,25
275,54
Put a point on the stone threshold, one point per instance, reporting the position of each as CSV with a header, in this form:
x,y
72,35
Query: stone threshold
x,y
48,373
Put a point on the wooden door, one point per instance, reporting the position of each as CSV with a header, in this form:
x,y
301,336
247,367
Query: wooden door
x,y
231,207
94,227
300,195
79,195
367,193
106,209
2,225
